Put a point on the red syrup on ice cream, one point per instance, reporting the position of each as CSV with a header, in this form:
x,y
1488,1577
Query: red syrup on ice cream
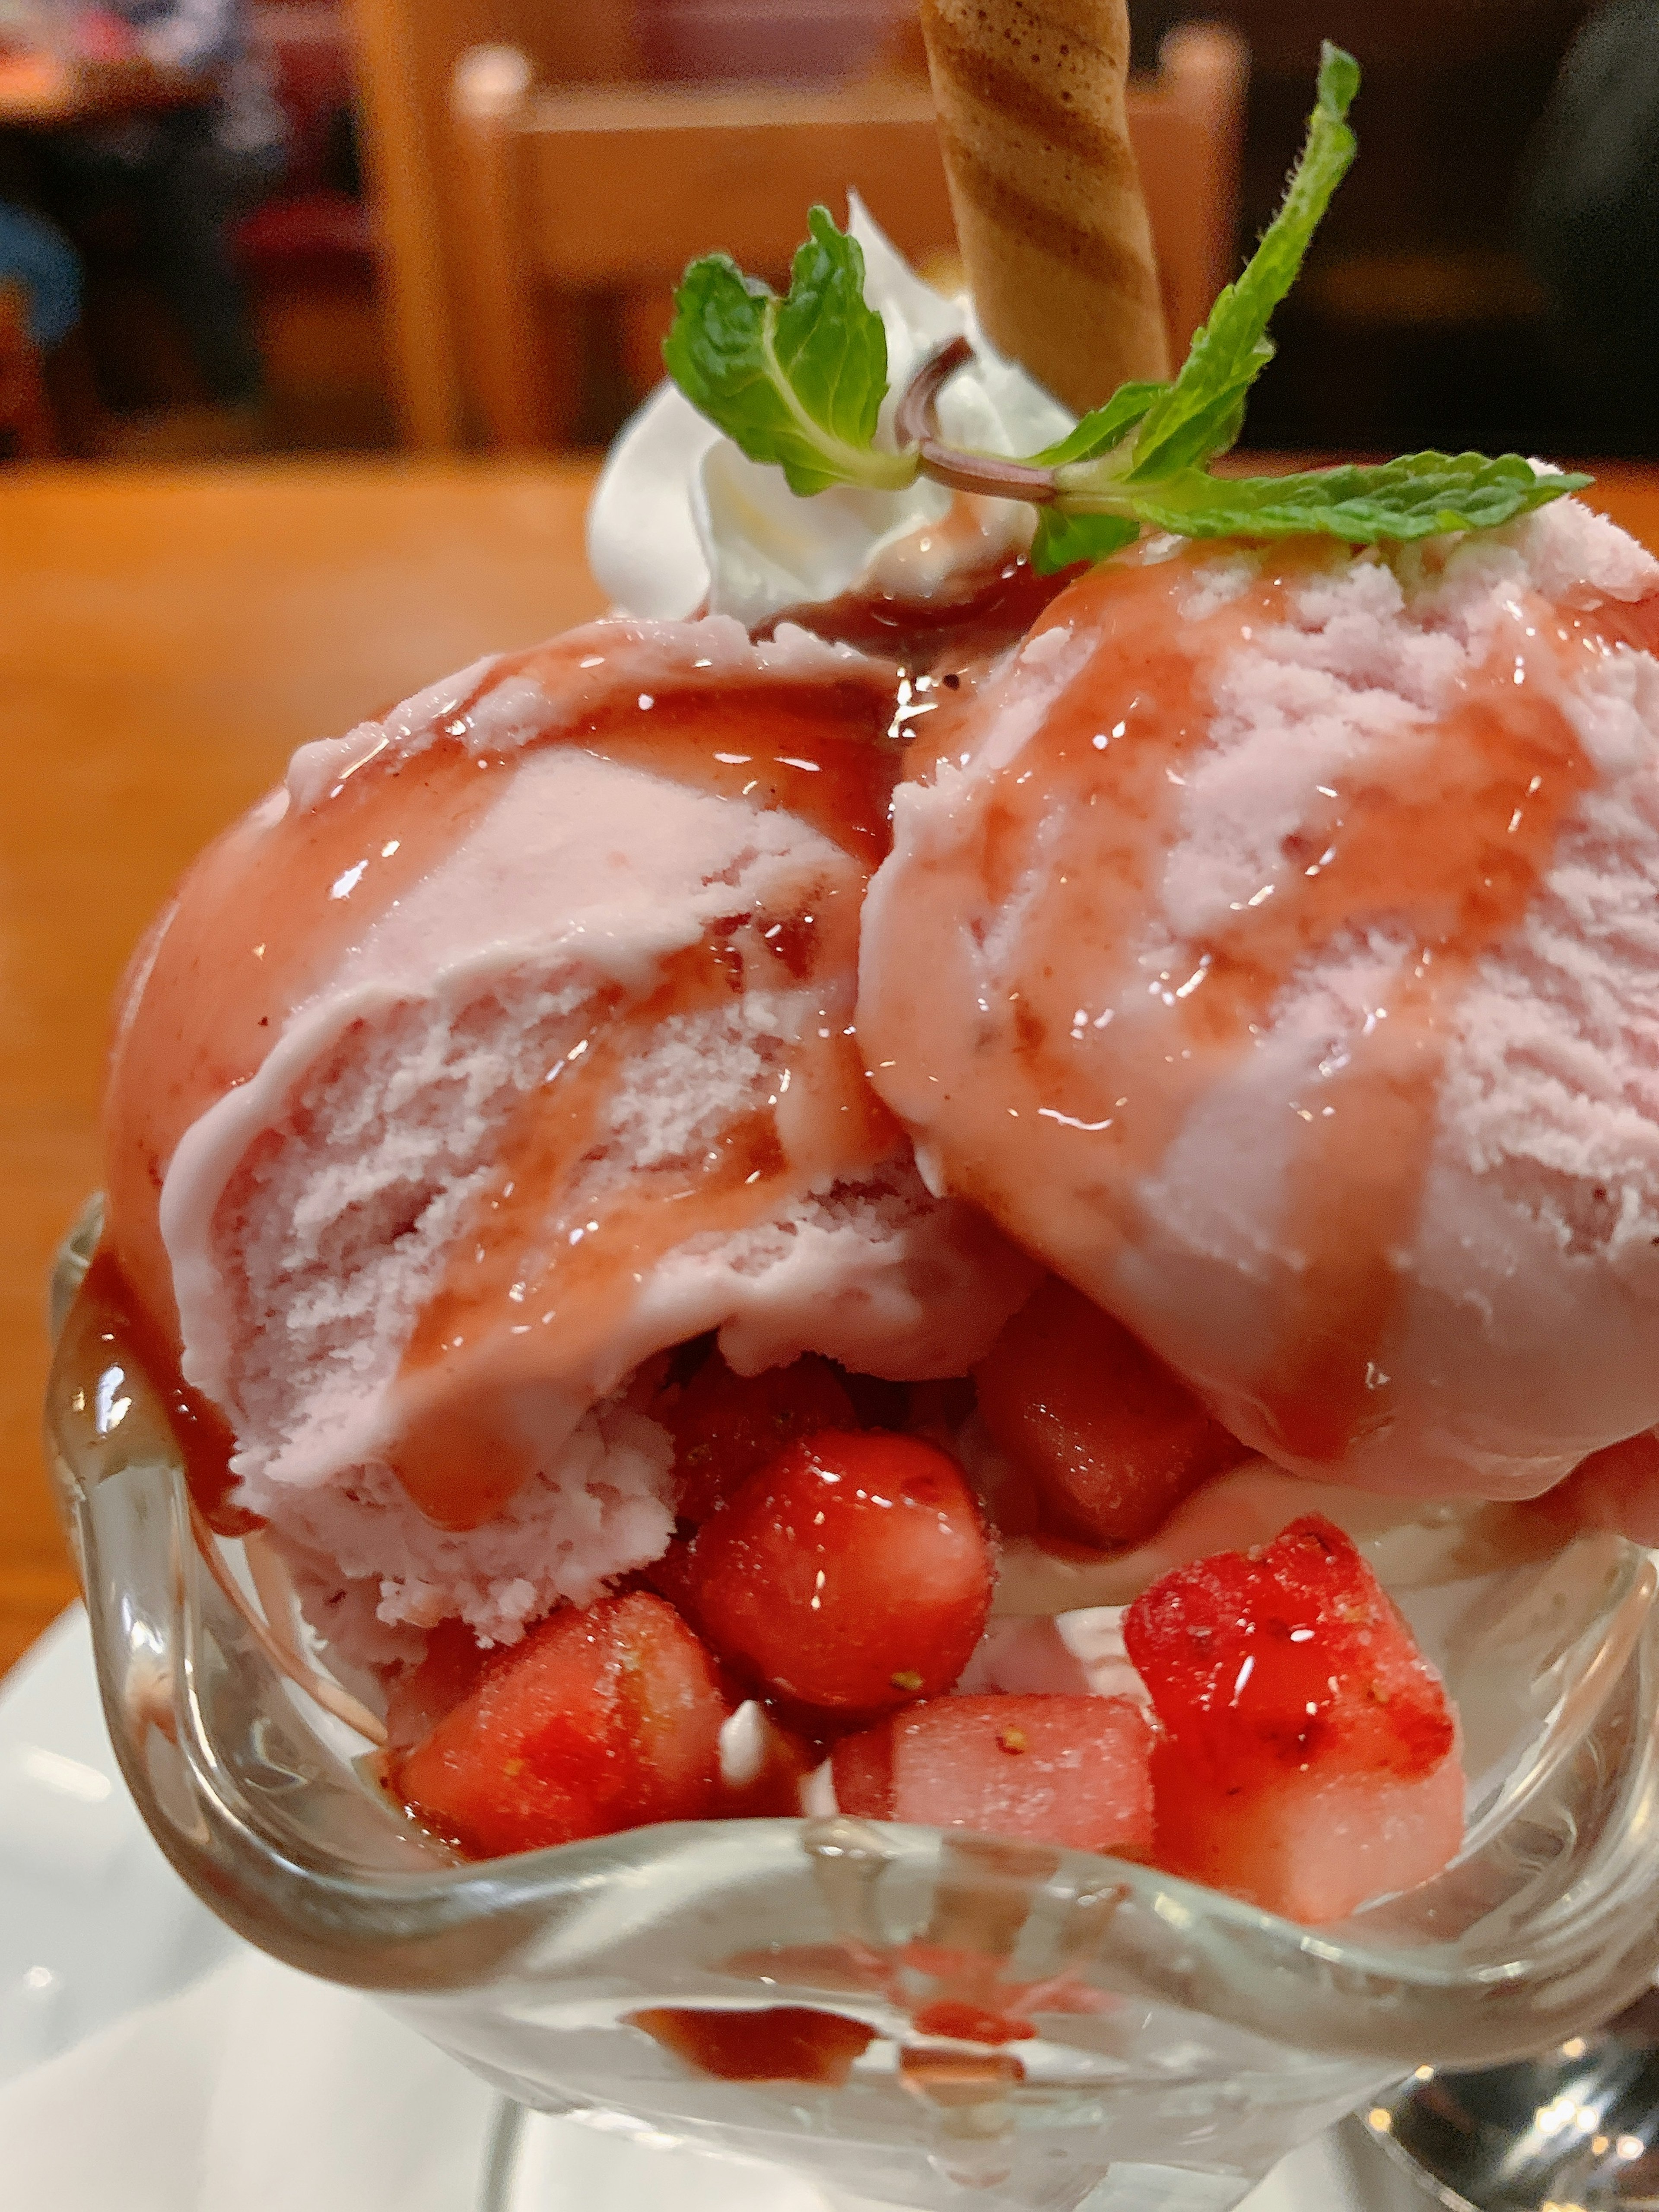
x,y
977,613
537,1251
574,1266
612,1715
1076,1079
308,883
232,993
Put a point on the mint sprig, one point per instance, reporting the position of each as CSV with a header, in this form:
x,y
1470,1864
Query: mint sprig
x,y
1104,428
1063,538
1201,412
799,382
1416,496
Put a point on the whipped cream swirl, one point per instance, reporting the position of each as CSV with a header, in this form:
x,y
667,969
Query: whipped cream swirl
x,y
682,520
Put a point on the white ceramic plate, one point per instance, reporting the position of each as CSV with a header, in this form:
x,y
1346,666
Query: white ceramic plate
x,y
93,1924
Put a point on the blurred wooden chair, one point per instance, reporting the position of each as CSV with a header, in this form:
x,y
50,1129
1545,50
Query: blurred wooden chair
x,y
565,197
405,52
1188,124
25,418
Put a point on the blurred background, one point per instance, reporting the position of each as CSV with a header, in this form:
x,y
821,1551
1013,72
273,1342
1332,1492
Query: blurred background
x,y
242,227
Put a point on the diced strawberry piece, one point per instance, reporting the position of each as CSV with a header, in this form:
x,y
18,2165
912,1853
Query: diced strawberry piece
x,y
1312,1847
1259,1663
726,1427
1309,1759
1073,1771
852,1574
1110,1438
418,1700
601,1719
862,1768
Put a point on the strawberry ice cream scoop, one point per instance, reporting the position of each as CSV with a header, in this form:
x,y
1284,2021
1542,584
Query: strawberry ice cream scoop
x,y
508,1045
1272,946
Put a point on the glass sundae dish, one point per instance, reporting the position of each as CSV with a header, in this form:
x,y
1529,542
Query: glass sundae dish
x,y
804,1297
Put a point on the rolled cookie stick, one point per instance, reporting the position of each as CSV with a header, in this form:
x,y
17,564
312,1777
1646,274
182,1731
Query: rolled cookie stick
x,y
1049,215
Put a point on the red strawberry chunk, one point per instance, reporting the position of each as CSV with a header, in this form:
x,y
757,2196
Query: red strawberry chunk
x,y
852,1574
726,1427
1311,1846
601,1719
862,1768
417,1699
1110,1440
1260,1663
1308,1759
1071,1770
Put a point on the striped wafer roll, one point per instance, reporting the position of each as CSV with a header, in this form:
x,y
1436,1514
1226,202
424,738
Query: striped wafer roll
x,y
1049,215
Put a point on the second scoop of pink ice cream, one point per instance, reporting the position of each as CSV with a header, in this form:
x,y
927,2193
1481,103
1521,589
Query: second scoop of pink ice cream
x,y
1273,949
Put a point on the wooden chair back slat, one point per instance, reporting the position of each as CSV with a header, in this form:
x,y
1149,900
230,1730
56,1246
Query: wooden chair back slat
x,y
1188,124
406,53
610,192
626,190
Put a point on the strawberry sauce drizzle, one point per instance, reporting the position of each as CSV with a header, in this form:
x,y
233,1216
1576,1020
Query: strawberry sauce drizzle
x,y
1066,1097
813,751
540,1260
305,886
106,1309
262,922
978,613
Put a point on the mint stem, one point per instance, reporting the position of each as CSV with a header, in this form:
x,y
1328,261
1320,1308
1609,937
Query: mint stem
x,y
917,422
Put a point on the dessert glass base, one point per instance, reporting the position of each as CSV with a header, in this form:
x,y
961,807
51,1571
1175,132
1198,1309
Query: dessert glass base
x,y
1577,2127
753,1985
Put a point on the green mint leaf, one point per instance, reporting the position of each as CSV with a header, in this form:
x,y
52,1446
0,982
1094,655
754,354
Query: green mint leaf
x,y
1227,355
1101,429
798,382
828,342
1418,495
1211,428
1062,539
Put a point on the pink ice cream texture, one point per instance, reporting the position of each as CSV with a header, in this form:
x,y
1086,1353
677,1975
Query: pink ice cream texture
x,y
1274,951
506,1045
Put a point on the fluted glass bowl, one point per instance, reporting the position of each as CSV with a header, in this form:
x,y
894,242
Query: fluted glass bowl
x,y
1136,2034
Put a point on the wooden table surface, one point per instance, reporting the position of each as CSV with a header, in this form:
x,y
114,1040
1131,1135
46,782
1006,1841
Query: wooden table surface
x,y
166,638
